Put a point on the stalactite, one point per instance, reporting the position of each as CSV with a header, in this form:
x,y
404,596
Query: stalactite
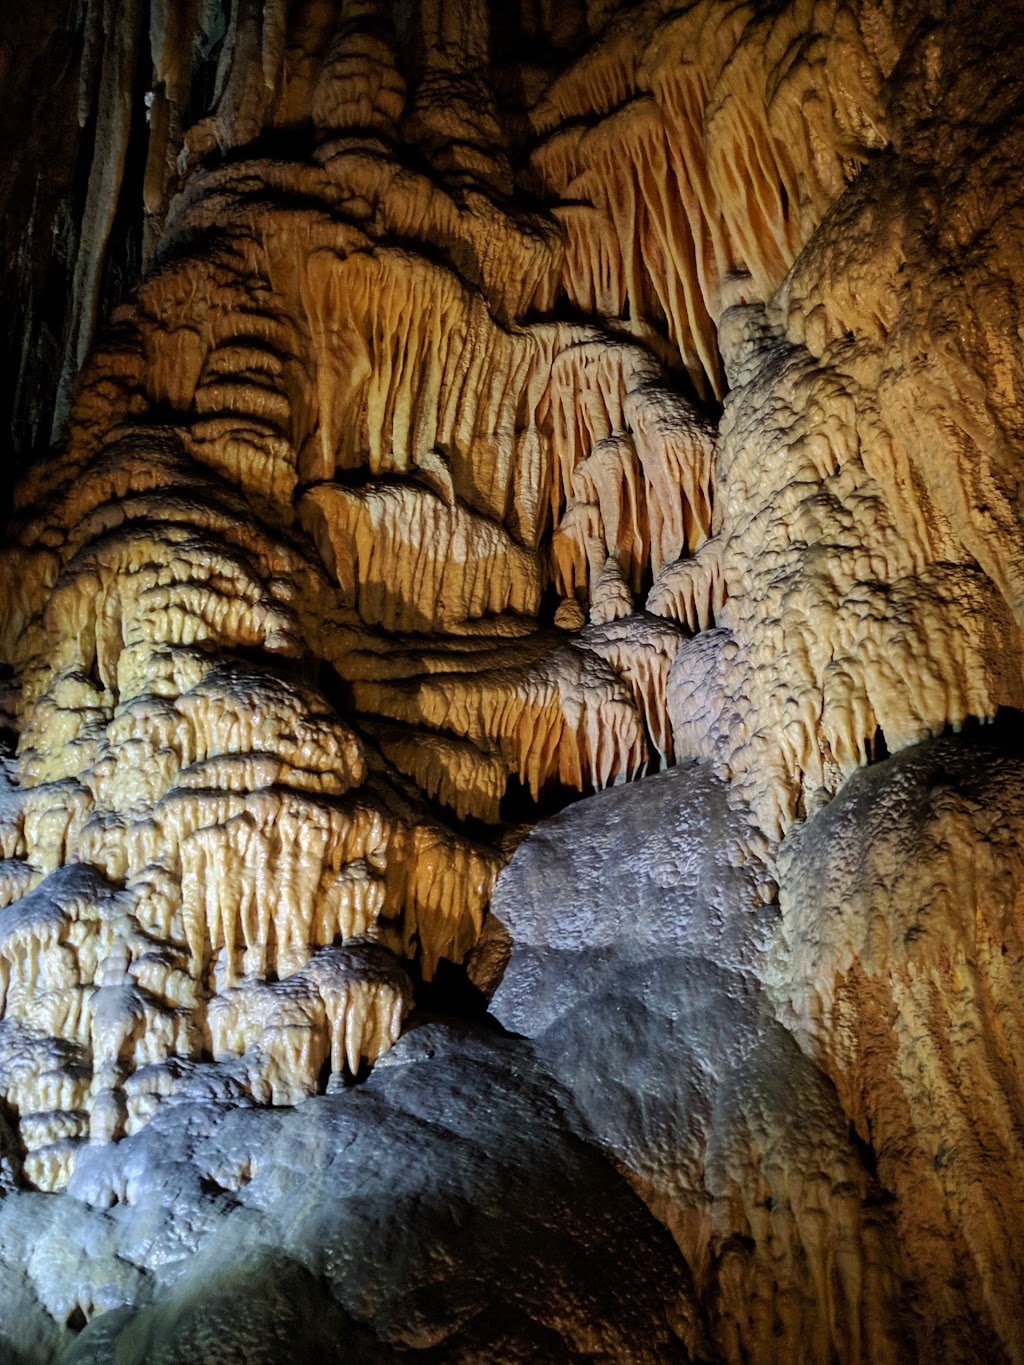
x,y
119,25
490,430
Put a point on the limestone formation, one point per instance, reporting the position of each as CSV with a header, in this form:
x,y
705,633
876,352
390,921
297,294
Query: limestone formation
x,y
449,412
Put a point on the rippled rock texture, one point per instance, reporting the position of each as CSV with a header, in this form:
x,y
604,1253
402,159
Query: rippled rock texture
x,y
509,837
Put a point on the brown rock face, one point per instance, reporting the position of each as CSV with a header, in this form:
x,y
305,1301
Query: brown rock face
x,y
511,403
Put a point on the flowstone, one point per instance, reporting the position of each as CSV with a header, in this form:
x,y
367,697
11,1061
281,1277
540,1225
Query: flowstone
x,y
510,790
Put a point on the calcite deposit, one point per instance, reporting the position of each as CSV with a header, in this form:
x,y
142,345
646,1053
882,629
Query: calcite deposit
x,y
434,416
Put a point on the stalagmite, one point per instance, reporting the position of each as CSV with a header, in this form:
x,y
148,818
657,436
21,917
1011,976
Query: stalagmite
x,y
510,680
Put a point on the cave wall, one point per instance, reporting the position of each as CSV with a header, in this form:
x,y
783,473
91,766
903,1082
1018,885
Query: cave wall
x,y
509,833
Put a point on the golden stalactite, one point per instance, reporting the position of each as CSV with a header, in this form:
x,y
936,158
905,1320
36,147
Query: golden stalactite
x,y
468,447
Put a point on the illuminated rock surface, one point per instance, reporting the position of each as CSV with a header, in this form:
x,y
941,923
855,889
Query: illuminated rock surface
x,y
441,415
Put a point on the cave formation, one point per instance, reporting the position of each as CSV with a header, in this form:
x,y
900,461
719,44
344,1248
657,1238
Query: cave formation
x,y
512,798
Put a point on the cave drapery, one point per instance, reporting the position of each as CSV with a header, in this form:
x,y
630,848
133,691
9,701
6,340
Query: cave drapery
x,y
512,824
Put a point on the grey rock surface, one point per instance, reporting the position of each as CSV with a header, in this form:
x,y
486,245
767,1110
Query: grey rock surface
x,y
640,1086
639,921
443,1206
